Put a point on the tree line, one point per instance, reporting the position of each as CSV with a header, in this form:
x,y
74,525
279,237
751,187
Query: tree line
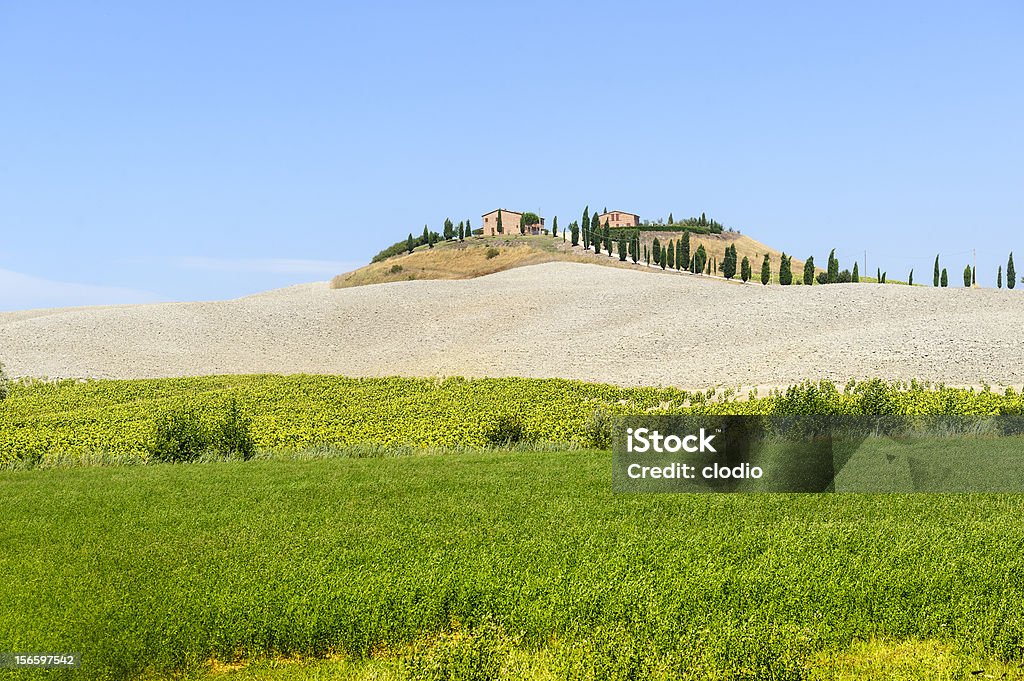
x,y
676,255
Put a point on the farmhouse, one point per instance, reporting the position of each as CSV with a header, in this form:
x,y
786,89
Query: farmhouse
x,y
509,223
617,218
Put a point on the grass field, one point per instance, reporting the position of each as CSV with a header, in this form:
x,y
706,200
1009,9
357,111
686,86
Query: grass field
x,y
520,564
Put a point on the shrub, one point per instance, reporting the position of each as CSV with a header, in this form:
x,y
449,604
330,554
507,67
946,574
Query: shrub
x,y
180,436
492,253
395,269
231,437
599,428
822,277
507,429
745,269
845,277
5,383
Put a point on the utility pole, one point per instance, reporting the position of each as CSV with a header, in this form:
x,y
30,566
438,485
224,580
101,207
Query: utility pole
x,y
865,262
974,268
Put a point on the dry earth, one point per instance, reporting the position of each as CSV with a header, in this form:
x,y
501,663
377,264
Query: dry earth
x,y
557,319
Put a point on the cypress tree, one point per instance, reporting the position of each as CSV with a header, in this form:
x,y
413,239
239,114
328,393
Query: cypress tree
x,y
999,277
575,233
701,259
622,249
426,236
636,248
878,276
910,279
462,231
448,229
935,276
670,220
554,227
664,258
409,243
883,276
729,263
745,269
585,226
944,278
679,254
671,255
785,271
595,232
522,224
766,270
967,277
1011,273
833,267
607,238
809,271
469,229
974,276
684,254
856,274
501,230
647,256
656,250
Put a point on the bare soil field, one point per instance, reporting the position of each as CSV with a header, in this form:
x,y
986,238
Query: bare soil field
x,y
559,319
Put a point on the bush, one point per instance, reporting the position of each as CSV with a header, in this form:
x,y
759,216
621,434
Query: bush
x,y
395,269
508,429
599,428
492,253
231,437
180,436
5,383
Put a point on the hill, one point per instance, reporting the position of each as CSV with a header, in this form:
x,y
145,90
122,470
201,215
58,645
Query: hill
x,y
480,255
557,319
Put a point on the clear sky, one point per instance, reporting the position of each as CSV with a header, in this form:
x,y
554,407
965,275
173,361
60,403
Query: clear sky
x,y
202,150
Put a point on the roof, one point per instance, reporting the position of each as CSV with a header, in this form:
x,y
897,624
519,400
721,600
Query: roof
x,y
503,210
622,212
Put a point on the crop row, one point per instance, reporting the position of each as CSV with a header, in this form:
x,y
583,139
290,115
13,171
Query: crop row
x,y
117,418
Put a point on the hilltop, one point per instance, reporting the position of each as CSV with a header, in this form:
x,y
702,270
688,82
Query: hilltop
x,y
481,255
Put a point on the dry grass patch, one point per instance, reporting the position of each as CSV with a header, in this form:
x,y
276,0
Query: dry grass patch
x,y
454,260
480,256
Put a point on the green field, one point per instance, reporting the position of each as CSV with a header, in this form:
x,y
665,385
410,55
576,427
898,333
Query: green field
x,y
70,422
518,564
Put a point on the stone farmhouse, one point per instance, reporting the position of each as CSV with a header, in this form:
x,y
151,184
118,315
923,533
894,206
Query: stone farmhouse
x,y
509,223
618,218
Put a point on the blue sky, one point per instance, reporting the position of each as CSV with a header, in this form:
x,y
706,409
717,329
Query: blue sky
x,y
189,150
